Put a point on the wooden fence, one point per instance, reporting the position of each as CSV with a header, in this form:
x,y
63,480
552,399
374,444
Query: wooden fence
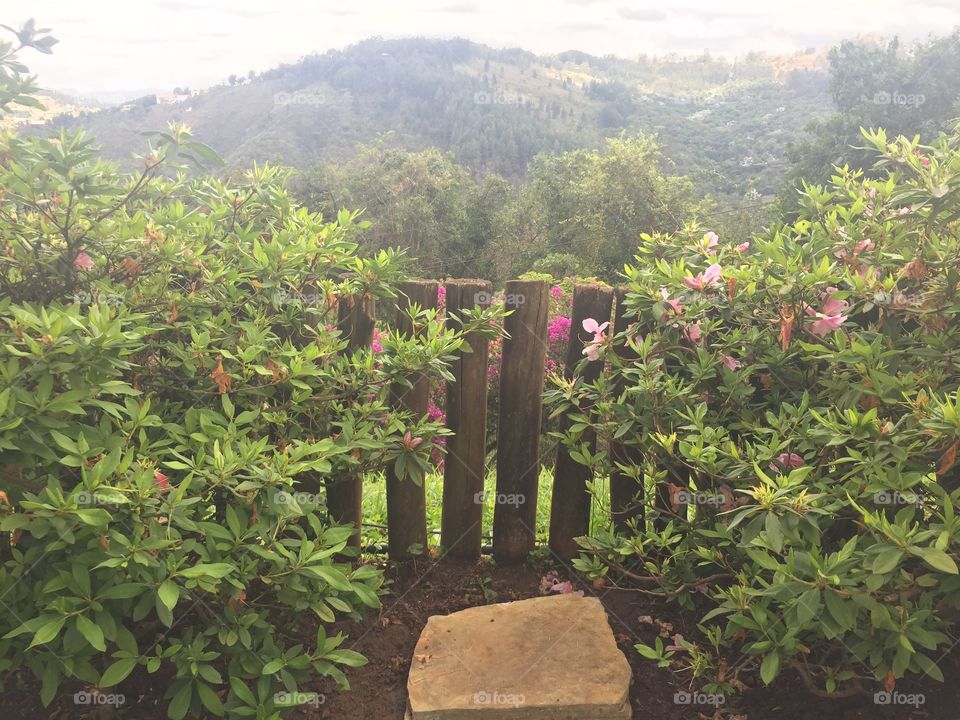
x,y
518,427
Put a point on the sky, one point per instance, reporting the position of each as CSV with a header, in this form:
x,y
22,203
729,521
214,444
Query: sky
x,y
128,45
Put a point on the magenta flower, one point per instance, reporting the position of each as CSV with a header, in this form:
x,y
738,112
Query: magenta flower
x,y
708,278
672,302
556,292
787,461
592,349
82,261
731,362
709,241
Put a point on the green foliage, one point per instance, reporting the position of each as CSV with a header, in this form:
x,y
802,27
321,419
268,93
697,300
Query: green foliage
x,y
796,401
174,396
903,90
596,203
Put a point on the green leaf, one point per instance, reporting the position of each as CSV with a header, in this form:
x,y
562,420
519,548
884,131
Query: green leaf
x,y
333,577
887,560
117,672
50,681
169,593
273,667
180,703
346,657
92,633
241,690
808,605
209,698
48,631
217,570
937,559
770,667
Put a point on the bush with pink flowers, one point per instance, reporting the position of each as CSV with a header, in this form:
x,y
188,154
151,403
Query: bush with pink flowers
x,y
794,397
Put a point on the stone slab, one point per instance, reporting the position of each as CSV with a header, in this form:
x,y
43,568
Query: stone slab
x,y
549,658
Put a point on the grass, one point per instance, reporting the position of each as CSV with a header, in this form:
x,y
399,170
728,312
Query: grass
x,y
375,506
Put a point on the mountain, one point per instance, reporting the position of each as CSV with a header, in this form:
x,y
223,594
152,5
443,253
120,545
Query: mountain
x,y
726,123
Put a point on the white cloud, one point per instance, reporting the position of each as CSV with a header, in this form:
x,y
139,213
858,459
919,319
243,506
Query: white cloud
x,y
119,44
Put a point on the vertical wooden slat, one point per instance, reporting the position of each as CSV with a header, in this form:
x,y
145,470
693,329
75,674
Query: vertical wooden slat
x,y
570,506
406,501
356,318
518,433
466,411
626,495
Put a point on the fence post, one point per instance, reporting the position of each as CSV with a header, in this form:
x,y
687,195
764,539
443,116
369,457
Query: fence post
x,y
356,317
518,432
465,465
406,501
626,495
570,506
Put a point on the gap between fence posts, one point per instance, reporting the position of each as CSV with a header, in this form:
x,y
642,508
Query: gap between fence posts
x,y
356,318
570,505
518,431
406,501
466,416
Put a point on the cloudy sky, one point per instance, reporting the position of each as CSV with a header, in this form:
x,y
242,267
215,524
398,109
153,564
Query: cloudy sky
x,y
109,45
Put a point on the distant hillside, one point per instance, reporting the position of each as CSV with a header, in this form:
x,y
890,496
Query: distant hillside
x,y
724,123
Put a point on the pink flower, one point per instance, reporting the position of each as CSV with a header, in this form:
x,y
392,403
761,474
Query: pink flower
x,y
161,481
731,362
708,278
82,261
564,588
743,247
709,241
692,331
859,248
833,306
829,319
673,303
556,292
787,461
410,443
592,349
676,646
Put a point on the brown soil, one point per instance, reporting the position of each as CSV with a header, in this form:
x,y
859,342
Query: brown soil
x,y
430,587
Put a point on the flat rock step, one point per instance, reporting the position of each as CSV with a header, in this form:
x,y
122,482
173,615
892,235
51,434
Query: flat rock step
x,y
549,658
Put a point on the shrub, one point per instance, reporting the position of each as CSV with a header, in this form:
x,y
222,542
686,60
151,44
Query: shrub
x,y
795,399
174,394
